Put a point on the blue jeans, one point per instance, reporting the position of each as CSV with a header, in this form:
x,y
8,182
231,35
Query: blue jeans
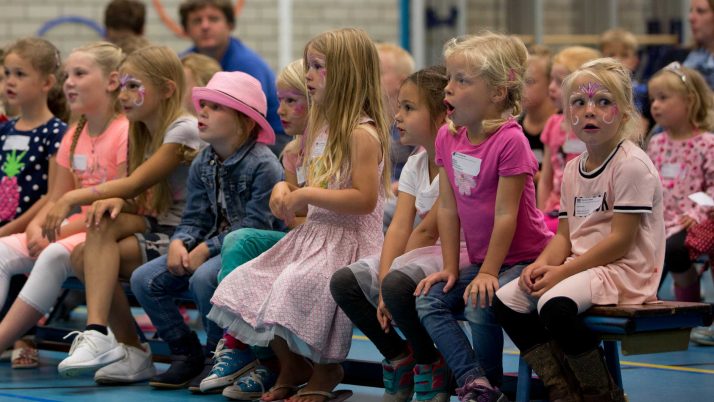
x,y
156,289
439,313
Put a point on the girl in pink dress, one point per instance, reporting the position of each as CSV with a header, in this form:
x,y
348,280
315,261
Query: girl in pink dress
x,y
681,103
609,248
282,298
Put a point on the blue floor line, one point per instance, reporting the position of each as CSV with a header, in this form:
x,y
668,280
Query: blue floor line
x,y
27,398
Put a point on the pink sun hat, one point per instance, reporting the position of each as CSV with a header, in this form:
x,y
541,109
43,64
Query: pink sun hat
x,y
238,91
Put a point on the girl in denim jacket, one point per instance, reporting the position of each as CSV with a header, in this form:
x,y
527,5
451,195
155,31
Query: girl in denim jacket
x,y
229,187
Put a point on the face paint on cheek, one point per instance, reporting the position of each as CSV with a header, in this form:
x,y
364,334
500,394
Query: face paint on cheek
x,y
574,121
609,117
141,93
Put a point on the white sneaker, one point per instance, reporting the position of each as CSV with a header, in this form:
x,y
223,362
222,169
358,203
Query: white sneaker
x,y
136,366
90,350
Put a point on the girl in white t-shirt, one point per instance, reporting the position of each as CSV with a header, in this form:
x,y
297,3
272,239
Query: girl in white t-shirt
x,y
609,247
377,290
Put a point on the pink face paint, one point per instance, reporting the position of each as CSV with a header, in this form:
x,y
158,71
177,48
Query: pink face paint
x,y
609,118
130,83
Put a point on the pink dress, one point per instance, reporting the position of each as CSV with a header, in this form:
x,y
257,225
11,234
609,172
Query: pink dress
x,y
285,291
685,167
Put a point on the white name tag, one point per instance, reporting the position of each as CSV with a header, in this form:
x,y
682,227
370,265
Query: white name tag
x,y
300,172
466,164
574,146
18,142
79,162
538,154
319,147
671,170
585,206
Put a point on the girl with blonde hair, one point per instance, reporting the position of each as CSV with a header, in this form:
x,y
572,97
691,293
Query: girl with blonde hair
x,y
609,247
130,219
95,151
282,298
487,190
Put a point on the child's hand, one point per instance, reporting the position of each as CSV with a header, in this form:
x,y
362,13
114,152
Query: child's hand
x,y
686,221
54,219
293,203
526,280
441,276
177,261
35,241
277,198
197,257
383,315
112,206
547,277
481,289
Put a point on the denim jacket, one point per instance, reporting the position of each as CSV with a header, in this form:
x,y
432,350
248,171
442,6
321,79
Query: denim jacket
x,y
247,178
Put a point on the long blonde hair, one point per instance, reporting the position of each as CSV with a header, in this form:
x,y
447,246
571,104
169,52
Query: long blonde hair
x,y
162,69
108,56
500,60
352,91
614,76
293,76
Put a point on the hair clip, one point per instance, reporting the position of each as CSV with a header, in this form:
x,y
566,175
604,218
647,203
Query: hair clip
x,y
676,68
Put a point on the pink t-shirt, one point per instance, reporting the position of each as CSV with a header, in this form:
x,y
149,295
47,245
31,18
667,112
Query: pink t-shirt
x,y
563,146
685,167
627,182
96,160
474,171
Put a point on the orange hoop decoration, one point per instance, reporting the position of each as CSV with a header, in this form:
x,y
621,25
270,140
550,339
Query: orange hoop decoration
x,y
178,29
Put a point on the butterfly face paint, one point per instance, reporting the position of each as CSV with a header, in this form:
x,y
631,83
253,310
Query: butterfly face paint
x,y
593,101
134,87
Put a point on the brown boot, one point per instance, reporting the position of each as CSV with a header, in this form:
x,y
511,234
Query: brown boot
x,y
595,381
545,362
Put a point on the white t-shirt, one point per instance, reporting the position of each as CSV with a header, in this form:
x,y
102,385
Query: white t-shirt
x,y
184,131
415,181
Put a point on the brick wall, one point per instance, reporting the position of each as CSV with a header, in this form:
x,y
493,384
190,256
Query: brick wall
x,y
258,24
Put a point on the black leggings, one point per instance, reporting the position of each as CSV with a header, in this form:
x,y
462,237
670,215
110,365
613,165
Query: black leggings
x,y
398,294
558,320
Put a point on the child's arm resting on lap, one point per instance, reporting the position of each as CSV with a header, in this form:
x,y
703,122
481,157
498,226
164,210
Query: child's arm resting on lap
x,y
508,199
622,237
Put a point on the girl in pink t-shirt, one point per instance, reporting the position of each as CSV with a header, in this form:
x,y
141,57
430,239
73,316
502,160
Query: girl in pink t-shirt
x,y
609,245
560,145
92,152
683,154
487,190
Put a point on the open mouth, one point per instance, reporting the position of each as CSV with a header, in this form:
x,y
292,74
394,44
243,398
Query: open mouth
x,y
590,127
449,108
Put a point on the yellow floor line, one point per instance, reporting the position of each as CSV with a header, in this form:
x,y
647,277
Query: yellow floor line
x,y
647,365
623,363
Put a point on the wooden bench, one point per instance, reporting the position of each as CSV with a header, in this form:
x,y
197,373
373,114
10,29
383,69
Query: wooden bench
x,y
640,329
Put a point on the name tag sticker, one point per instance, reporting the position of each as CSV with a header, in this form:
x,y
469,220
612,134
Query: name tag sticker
x,y
300,175
585,206
319,147
468,165
79,162
671,170
17,142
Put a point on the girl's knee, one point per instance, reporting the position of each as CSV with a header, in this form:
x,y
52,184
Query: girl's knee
x,y
341,280
398,284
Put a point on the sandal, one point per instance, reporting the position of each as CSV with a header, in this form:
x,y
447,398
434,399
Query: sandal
x,y
292,390
335,396
25,357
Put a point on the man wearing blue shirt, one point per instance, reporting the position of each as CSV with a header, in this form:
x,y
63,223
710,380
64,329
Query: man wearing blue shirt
x,y
209,24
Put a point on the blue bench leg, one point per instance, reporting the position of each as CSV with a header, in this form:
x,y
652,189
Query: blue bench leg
x,y
523,387
612,357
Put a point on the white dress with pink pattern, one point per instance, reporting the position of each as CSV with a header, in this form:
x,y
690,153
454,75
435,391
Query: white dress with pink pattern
x,y
285,291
